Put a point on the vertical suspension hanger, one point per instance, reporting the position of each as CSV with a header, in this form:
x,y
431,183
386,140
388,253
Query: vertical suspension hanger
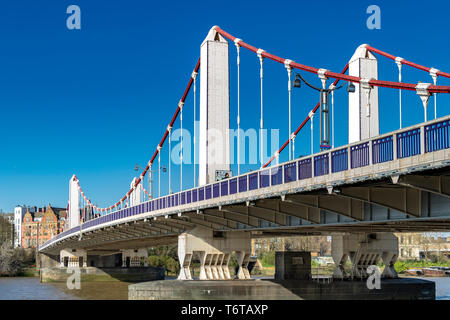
x,y
433,74
293,146
140,191
152,187
287,64
311,117
169,129
194,77
238,62
331,88
159,170
398,61
181,104
261,124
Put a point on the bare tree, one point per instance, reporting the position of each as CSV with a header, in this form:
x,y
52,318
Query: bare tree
x,y
11,261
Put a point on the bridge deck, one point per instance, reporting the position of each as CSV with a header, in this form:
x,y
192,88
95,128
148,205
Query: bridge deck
x,y
393,182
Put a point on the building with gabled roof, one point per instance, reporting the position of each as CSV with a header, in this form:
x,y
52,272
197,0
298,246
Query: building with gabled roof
x,y
41,225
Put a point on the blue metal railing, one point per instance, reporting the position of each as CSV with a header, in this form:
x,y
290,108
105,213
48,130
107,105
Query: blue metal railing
x,y
436,137
290,172
264,178
382,149
304,169
339,160
321,165
408,143
359,155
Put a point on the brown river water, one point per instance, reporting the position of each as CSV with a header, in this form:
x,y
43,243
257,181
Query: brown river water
x,y
31,289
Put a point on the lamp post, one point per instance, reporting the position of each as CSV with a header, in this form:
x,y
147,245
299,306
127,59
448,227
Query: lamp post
x,y
324,109
150,180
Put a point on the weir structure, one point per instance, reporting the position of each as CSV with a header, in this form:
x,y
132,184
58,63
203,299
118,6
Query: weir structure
x,y
360,193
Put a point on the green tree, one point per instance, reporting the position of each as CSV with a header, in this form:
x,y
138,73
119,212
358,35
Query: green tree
x,y
268,258
172,266
153,261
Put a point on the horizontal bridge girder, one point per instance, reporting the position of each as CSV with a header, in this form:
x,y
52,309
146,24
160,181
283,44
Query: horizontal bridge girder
x,y
211,216
253,212
351,208
402,199
434,184
233,216
200,219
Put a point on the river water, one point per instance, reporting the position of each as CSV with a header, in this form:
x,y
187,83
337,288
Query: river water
x,y
32,289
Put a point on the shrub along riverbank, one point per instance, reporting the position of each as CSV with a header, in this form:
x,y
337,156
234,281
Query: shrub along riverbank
x,y
16,262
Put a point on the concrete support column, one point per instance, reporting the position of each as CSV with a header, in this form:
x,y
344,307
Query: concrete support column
x,y
202,257
364,249
214,251
363,103
136,195
74,203
243,259
224,266
214,144
214,271
339,262
389,259
185,270
208,259
218,266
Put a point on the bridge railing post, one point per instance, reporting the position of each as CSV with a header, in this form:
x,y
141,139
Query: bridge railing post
x,y
349,158
422,139
248,181
329,162
394,146
258,179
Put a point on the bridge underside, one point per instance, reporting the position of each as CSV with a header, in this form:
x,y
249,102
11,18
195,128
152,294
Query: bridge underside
x,y
416,202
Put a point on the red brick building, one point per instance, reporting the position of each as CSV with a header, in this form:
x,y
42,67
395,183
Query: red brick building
x,y
42,225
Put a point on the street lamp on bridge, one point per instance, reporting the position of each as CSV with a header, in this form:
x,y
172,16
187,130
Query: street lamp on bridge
x,y
324,111
150,180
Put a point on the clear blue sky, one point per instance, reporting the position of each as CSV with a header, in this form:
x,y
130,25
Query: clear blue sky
x,y
95,101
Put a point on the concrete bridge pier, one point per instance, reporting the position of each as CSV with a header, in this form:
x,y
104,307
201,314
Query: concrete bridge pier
x,y
73,258
364,249
134,257
213,249
98,265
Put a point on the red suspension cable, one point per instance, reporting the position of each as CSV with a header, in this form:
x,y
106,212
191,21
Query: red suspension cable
x,y
330,74
160,145
337,77
406,62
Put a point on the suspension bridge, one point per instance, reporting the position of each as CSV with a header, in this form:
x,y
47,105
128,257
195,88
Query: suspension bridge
x,y
375,185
